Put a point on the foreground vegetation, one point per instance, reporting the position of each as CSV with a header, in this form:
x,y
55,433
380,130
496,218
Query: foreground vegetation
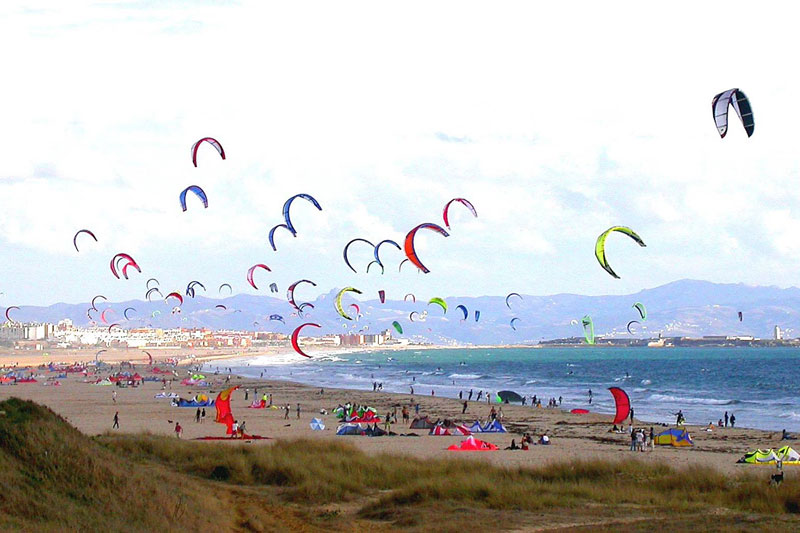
x,y
55,478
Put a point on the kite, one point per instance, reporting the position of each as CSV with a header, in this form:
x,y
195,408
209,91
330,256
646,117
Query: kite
x,y
508,303
463,310
288,205
740,316
378,247
411,252
151,279
512,323
223,406
149,292
75,238
149,357
112,326
273,287
155,313
220,306
413,298
251,270
338,302
462,201
213,142
198,191
588,329
97,355
623,404
117,260
600,246
628,327
272,235
477,315
8,310
103,315
230,289
642,310
438,301
719,107
295,335
175,295
382,296
398,327
125,312
375,263
279,318
95,299
190,287
411,316
346,246
290,292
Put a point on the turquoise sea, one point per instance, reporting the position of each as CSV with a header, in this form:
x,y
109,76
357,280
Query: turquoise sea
x,y
761,386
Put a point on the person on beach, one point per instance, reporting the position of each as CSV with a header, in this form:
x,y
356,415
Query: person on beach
x,y
461,395
559,401
733,420
493,413
480,395
197,416
242,429
246,394
416,408
652,440
270,400
433,392
726,419
464,407
116,421
298,411
633,439
202,415
679,417
178,430
640,440
631,415
405,415
114,396
286,413
412,391
387,423
513,445
470,395
500,414
590,396
234,429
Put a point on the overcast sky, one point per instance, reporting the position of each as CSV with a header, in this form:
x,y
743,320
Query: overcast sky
x,y
557,120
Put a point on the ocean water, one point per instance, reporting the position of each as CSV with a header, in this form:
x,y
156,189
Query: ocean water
x,y
761,386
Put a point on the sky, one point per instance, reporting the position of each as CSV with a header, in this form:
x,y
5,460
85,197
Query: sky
x,y
555,121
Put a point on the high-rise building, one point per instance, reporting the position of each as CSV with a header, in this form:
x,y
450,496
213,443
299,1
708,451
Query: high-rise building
x,y
778,333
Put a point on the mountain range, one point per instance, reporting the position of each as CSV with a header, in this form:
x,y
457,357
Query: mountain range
x,y
681,308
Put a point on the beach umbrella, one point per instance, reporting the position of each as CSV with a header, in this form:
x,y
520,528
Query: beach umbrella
x,y
317,424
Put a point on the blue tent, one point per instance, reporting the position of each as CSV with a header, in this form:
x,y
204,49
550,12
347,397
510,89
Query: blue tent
x,y
494,427
476,427
194,403
350,429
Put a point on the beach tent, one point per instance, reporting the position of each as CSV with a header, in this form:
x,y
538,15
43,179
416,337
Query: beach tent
x,y
422,423
439,430
674,437
349,429
476,427
471,444
785,454
494,427
460,430
508,396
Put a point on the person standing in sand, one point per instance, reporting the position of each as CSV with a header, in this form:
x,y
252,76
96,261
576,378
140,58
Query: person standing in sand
x,y
197,416
202,415
733,420
298,411
178,429
116,421
464,407
114,396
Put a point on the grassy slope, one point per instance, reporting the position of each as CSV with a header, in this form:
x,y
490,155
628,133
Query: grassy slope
x,y
54,478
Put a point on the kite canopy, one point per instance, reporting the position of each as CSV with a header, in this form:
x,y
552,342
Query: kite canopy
x,y
382,296
296,335
785,454
223,405
508,396
628,327
75,238
210,140
197,191
411,252
588,329
736,98
398,327
471,444
600,245
463,201
347,246
642,310
464,310
623,404
338,302
440,302
508,303
512,323
288,204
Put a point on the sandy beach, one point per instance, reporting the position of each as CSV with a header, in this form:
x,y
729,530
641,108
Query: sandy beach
x,y
91,408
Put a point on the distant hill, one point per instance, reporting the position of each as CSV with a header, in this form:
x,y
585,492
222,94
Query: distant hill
x,y
680,308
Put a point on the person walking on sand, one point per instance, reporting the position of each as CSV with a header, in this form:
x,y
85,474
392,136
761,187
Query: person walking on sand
x,y
464,407
234,429
590,396
470,395
412,390
733,420
286,412
116,421
461,395
197,416
203,415
178,429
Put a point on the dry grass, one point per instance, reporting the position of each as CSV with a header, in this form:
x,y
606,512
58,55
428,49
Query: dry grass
x,y
55,478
